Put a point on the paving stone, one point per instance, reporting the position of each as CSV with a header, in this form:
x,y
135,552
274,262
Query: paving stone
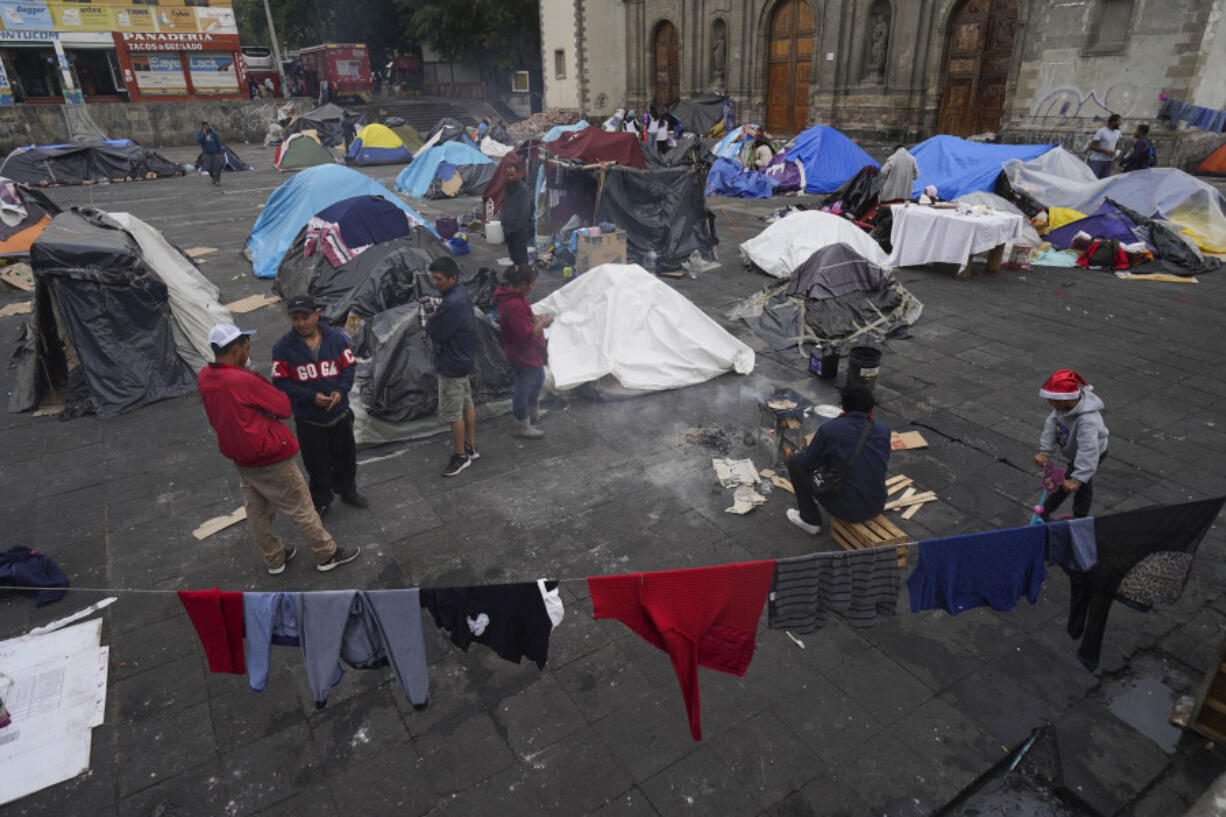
x,y
392,784
893,779
364,726
176,684
160,747
824,796
828,721
199,790
464,751
537,717
880,685
954,743
507,793
1106,762
1003,709
697,784
576,775
649,733
263,773
241,716
601,682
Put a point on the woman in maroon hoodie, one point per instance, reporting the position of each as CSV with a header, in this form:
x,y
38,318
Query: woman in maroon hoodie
x,y
523,341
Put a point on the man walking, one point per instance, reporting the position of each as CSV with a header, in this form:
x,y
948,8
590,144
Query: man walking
x,y
313,364
210,147
516,216
1102,147
245,410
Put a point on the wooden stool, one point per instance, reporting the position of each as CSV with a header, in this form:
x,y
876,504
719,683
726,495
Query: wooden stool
x,y
871,533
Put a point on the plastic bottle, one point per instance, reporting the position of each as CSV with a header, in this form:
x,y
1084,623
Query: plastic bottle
x,y
651,262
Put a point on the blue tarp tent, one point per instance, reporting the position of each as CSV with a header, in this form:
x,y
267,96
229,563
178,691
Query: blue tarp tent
x,y
958,167
292,204
378,145
1105,222
558,130
730,146
728,178
417,177
829,157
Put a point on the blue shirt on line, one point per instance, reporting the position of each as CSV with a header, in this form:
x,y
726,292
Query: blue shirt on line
x,y
993,568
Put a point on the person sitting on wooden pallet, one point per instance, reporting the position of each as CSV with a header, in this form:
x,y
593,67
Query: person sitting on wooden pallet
x,y
854,450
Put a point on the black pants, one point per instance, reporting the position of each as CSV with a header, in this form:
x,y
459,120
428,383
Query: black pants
x,y
803,485
212,165
517,246
1081,499
330,458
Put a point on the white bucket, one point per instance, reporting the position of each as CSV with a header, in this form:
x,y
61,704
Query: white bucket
x,y
493,232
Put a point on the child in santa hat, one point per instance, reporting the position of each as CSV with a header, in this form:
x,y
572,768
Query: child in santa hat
x,y
1075,427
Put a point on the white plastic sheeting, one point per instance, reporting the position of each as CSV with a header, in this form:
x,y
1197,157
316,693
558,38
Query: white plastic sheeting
x,y
495,149
1060,179
788,243
195,302
620,320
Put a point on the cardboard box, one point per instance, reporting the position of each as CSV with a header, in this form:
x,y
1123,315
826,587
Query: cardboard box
x,y
591,252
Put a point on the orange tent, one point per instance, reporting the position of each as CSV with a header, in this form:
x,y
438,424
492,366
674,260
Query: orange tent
x,y
1214,164
24,214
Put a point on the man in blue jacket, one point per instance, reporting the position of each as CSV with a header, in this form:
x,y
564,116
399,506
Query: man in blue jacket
x,y
210,146
452,329
864,494
314,366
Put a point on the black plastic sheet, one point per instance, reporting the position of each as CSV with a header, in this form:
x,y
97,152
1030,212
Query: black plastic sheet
x,y
86,161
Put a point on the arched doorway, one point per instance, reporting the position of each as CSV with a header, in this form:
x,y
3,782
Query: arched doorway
x,y
789,59
977,66
667,64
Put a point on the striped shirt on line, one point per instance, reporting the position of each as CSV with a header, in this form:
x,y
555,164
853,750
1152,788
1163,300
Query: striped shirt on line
x,y
859,585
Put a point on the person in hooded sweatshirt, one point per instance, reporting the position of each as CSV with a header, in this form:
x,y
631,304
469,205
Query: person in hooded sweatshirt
x,y
1076,429
523,342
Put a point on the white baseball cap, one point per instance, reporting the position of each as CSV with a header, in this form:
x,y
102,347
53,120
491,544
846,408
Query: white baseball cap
x,y
225,333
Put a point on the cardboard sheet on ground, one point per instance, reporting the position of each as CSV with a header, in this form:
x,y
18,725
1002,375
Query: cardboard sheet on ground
x,y
621,320
57,697
788,243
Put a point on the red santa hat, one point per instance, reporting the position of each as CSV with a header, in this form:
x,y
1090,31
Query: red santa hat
x,y
1065,384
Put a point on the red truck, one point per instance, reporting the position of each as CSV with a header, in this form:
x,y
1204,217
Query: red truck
x,y
344,66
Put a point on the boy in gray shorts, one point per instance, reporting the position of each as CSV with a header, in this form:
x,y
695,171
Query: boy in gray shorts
x,y
452,330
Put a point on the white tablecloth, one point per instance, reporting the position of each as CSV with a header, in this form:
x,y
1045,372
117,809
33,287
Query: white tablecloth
x,y
927,235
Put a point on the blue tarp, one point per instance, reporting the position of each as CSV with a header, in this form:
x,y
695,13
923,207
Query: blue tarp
x,y
728,178
292,204
958,167
730,146
417,177
829,157
360,154
558,130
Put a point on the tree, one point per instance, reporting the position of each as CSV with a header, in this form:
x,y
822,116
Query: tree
x,y
498,35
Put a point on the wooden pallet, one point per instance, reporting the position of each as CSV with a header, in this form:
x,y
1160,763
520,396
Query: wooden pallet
x,y
1209,715
876,532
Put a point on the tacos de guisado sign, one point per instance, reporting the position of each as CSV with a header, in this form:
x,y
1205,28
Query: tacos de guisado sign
x,y
178,41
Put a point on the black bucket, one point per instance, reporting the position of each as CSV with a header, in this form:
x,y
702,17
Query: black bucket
x,y
863,366
824,362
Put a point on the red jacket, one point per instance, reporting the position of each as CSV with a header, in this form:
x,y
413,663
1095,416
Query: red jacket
x,y
523,345
246,412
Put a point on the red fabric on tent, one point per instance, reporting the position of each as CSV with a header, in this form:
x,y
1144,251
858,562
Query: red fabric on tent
x,y
1215,163
595,145
491,199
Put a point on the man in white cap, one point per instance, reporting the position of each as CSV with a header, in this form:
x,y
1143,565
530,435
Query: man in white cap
x,y
246,412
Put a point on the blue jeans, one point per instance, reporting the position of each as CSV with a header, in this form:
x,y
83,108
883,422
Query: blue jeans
x,y
1101,168
527,390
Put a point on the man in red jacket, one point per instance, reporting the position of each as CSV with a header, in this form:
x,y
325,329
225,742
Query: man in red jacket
x,y
246,412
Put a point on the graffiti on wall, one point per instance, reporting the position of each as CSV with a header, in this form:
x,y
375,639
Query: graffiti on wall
x,y
1063,106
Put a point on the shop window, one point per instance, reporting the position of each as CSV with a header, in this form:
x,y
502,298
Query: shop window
x,y
94,71
1109,32
559,63
33,73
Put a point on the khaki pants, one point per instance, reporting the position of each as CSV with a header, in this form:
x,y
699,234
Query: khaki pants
x,y
280,487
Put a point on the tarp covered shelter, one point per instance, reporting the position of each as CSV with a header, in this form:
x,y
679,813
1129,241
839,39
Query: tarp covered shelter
x,y
524,159
594,145
829,158
859,195
291,206
836,294
229,161
1105,222
384,276
449,130
661,209
700,114
85,161
729,147
1214,164
553,133
101,327
1059,179
787,174
300,151
378,145
621,321
451,166
789,242
729,178
24,214
958,167
324,120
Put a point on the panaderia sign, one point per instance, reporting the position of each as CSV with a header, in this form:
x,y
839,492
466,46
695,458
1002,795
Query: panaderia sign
x,y
177,41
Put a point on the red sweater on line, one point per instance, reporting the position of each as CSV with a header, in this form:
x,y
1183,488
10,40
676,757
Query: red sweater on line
x,y
706,616
218,619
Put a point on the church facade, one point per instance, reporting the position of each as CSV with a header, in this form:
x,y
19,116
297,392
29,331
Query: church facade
x,y
902,70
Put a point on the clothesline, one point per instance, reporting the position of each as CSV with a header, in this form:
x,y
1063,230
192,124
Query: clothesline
x,y
116,590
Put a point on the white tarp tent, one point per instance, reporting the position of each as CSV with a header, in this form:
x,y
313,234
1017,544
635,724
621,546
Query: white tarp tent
x,y
620,320
194,301
788,243
1060,179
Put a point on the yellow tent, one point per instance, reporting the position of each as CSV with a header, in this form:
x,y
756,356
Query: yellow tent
x,y
378,145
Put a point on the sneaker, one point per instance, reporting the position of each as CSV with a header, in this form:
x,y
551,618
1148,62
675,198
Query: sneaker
x,y
355,499
794,518
289,554
342,556
457,464
525,431
471,452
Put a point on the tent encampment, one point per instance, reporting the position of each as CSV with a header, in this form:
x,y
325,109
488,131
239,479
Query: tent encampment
x,y
338,234
789,242
446,170
300,151
835,294
553,133
409,136
378,145
24,214
291,206
325,121
117,313
621,321
1214,164
957,167
229,161
701,114
86,162
729,178
593,145
381,277
829,158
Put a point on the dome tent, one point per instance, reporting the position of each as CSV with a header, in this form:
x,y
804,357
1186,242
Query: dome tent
x,y
378,145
